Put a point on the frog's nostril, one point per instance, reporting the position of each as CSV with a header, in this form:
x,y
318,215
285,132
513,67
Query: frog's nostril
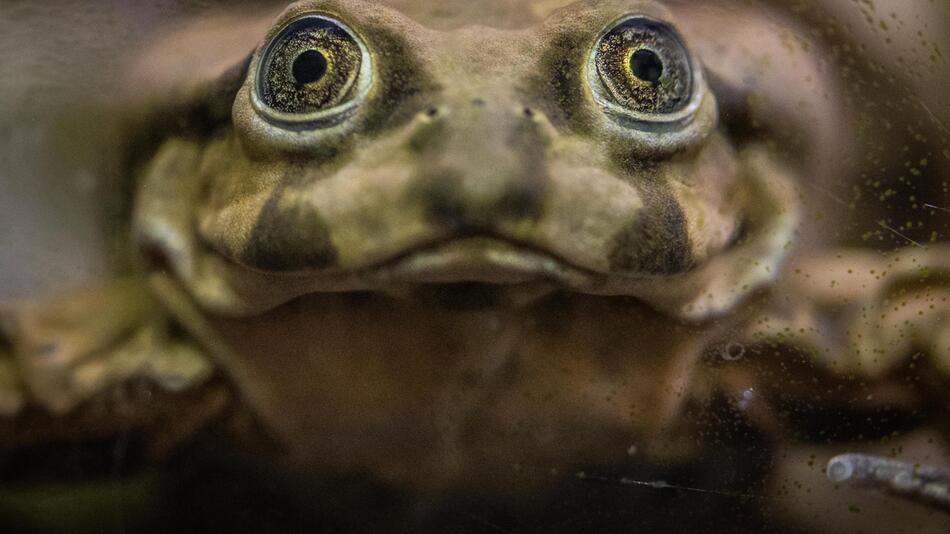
x,y
154,256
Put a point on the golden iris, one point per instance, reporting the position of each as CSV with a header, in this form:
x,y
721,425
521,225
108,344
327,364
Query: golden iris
x,y
310,66
645,66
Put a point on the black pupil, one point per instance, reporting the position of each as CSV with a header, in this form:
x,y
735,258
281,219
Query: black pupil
x,y
646,65
309,67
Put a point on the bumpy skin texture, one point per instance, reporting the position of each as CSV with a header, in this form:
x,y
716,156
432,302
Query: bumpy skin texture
x,y
483,263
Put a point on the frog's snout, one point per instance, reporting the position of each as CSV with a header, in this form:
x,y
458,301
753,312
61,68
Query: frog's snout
x,y
481,164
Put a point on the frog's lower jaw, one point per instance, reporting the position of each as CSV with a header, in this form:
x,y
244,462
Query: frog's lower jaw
x,y
480,260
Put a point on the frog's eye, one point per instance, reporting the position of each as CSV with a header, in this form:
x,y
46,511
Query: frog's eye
x,y
644,67
313,64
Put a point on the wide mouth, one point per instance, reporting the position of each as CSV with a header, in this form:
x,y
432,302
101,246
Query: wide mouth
x,y
461,266
476,259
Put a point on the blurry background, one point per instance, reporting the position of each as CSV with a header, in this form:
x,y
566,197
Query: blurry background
x,y
63,67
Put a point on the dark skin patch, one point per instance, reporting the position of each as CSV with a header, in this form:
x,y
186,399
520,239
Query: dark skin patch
x,y
559,83
289,239
401,83
431,137
655,241
439,193
524,199
442,191
446,207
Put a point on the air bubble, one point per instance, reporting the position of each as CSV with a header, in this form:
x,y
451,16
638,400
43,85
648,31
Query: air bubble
x,y
840,469
748,395
733,351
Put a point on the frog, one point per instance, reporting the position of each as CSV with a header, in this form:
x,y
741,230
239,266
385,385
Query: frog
x,y
469,251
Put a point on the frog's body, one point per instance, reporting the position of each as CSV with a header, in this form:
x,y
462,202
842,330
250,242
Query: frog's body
x,y
476,246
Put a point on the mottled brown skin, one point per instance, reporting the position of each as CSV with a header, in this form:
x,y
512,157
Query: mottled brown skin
x,y
485,265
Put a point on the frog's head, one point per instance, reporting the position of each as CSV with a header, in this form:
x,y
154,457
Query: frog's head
x,y
360,150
